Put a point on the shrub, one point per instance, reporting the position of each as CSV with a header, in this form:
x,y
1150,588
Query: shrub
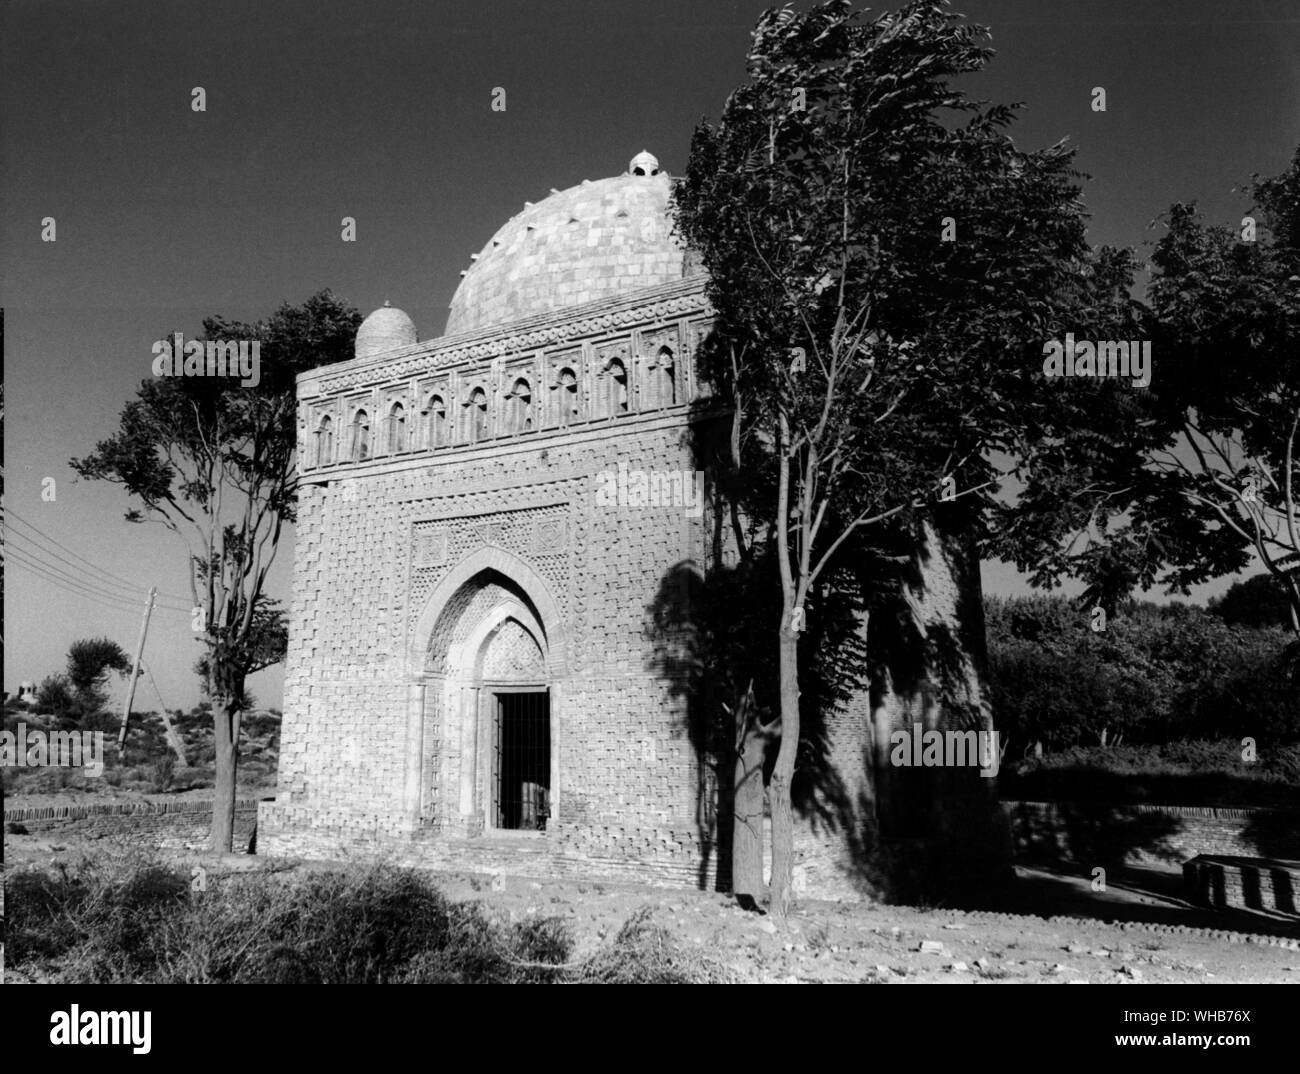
x,y
161,773
120,919
1156,674
644,952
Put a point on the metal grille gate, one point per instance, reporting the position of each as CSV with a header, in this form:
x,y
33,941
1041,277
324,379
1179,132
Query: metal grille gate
x,y
521,785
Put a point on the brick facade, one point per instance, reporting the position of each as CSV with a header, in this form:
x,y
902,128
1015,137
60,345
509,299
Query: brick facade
x,y
499,511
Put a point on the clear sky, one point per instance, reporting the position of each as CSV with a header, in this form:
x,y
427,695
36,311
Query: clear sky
x,y
380,110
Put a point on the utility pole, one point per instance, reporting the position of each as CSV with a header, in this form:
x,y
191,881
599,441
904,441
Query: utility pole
x,y
135,673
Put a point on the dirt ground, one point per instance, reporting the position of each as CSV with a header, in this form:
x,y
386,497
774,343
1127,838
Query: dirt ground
x,y
1139,931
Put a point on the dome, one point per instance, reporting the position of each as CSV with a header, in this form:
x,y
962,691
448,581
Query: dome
x,y
599,239
384,330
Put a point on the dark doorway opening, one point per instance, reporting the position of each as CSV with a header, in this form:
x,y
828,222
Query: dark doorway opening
x,y
521,789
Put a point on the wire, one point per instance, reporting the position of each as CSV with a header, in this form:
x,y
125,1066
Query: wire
x,y
14,556
91,584
133,586
20,560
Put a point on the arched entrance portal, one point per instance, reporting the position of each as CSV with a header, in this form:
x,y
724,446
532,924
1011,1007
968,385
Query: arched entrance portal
x,y
483,753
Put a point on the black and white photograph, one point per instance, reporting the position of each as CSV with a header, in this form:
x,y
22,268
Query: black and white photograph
x,y
653,492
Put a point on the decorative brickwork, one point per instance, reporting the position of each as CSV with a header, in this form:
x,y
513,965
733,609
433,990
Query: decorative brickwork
x,y
452,548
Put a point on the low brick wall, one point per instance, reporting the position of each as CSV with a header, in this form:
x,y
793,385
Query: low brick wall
x,y
1251,883
181,824
1092,834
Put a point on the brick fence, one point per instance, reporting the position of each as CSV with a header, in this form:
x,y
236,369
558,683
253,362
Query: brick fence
x,y
1089,833
181,824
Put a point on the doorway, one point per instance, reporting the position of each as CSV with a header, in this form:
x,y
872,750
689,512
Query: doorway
x,y
521,777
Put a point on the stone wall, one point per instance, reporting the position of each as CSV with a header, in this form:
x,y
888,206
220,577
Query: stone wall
x,y
1244,883
182,824
1090,834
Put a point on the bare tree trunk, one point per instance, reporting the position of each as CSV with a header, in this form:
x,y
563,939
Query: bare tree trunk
x,y
747,810
225,714
783,773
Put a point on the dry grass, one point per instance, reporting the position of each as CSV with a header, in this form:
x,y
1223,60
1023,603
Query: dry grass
x,y
127,918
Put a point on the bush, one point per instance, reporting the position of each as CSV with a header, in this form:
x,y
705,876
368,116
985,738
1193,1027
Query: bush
x,y
1199,773
644,952
122,919
1156,674
161,773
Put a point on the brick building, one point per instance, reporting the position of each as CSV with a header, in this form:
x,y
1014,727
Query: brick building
x,y
485,520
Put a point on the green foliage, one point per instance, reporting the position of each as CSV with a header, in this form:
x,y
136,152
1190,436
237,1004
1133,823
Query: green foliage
x,y
821,228
1259,601
1156,674
55,695
91,660
1196,773
212,460
1196,477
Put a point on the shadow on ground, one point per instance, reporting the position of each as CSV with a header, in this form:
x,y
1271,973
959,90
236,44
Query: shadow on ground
x,y
1146,894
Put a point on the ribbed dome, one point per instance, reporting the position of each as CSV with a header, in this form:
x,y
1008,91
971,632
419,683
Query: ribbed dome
x,y
384,330
595,240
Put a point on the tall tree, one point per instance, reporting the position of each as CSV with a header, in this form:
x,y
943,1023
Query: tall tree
x,y
885,265
214,462
1199,476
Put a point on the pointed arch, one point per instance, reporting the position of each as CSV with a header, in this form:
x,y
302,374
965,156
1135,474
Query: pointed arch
x,y
546,609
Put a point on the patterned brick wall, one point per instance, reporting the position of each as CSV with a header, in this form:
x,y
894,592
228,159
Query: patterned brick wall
x,y
408,564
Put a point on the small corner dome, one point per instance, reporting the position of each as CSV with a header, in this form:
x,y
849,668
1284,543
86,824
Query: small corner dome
x,y
644,164
387,329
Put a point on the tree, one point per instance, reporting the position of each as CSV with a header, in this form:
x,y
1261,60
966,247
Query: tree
x,y
1198,476
91,660
214,463
874,368
1231,308
1258,601
55,695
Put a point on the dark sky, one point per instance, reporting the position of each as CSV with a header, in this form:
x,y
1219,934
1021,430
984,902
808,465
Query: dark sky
x,y
381,111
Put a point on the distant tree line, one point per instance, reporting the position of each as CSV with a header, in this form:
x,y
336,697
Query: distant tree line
x,y
1156,674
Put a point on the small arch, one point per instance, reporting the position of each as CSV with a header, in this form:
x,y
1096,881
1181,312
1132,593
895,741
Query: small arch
x,y
476,416
436,421
616,399
521,407
359,449
325,441
569,398
665,378
396,428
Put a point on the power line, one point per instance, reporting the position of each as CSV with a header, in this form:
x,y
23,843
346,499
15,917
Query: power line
x,y
17,558
82,579
93,584
78,571
133,586
77,588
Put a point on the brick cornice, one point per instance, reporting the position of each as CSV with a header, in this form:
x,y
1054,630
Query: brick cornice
x,y
662,302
